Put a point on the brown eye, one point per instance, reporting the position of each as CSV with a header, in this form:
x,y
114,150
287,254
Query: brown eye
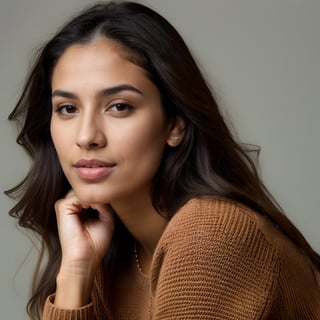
x,y
120,107
67,109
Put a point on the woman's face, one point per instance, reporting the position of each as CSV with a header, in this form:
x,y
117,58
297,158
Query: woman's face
x,y
107,124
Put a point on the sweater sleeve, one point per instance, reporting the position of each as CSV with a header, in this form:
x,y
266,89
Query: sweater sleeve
x,y
212,262
51,312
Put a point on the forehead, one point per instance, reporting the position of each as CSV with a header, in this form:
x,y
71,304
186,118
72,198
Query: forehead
x,y
98,58
98,50
88,68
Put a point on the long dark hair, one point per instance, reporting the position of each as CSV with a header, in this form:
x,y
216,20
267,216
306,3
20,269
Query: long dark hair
x,y
208,162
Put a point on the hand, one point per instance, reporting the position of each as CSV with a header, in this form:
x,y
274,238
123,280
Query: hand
x,y
84,243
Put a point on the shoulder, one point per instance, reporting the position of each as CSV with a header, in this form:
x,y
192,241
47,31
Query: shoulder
x,y
207,228
219,218
216,247
211,211
235,255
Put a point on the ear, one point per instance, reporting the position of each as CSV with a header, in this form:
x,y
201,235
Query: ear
x,y
176,132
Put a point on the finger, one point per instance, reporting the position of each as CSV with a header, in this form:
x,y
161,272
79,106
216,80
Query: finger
x,y
67,207
106,213
72,195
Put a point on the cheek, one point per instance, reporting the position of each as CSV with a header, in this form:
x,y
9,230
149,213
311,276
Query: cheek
x,y
144,149
56,141
60,141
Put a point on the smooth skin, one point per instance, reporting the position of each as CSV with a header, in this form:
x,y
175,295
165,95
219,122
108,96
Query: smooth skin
x,y
109,131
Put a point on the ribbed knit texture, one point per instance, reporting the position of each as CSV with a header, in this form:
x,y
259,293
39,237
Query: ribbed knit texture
x,y
216,260
51,312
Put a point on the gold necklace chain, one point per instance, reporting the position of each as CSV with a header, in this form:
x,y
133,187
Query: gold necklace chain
x,y
136,255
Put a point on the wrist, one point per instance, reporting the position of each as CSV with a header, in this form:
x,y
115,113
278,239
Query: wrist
x,y
73,291
78,268
74,285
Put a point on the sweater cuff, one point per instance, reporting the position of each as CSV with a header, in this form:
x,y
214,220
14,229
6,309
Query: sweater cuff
x,y
51,312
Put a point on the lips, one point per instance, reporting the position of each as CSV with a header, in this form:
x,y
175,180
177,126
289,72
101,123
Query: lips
x,y
93,169
92,163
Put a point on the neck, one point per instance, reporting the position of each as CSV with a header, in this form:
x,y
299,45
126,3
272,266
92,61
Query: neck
x,y
143,222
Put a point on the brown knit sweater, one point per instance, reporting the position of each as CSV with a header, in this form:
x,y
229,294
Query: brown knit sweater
x,y
216,260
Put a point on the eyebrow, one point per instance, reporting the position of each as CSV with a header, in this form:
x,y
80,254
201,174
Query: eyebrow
x,y
104,92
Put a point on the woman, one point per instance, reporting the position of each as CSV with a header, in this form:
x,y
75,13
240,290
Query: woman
x,y
146,205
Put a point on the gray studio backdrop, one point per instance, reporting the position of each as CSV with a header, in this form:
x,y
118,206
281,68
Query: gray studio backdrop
x,y
262,58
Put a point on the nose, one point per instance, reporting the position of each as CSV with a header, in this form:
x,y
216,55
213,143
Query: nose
x,y
91,133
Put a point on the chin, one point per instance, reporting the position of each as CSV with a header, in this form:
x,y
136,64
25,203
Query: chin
x,y
92,198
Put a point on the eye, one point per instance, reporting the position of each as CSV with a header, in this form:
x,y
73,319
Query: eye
x,y
120,108
67,109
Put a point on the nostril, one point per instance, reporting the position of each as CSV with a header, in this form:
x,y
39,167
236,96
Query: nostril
x,y
93,145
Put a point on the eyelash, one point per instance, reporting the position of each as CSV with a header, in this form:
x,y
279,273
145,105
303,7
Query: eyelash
x,y
62,109
127,106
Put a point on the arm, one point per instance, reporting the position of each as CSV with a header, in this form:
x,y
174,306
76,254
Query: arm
x,y
84,242
213,263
